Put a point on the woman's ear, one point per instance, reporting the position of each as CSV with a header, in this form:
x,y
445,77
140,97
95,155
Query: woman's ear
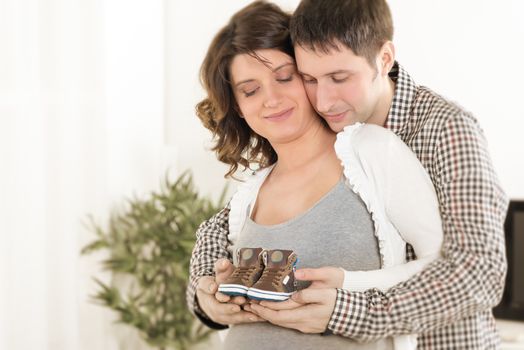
x,y
239,112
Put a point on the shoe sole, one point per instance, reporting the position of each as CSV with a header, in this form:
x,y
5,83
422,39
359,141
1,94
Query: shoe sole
x,y
259,294
233,289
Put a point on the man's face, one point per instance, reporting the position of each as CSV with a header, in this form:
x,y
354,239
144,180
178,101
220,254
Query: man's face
x,y
343,87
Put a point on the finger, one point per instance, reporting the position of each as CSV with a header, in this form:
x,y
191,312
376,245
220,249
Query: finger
x,y
308,274
207,285
238,300
281,305
226,308
318,284
314,295
244,317
278,317
221,297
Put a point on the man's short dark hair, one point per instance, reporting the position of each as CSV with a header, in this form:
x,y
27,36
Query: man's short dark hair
x,y
361,25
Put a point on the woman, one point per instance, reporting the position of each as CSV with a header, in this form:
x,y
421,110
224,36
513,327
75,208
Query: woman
x,y
331,207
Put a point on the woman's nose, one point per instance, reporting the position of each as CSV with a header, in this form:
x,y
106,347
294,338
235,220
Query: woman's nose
x,y
273,98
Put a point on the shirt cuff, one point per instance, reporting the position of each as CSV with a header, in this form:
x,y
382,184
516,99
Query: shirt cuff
x,y
349,311
206,320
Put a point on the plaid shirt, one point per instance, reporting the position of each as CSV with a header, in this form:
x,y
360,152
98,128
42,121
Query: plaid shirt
x,y
449,303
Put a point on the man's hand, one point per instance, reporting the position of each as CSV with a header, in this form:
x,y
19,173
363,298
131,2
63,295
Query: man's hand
x,y
308,311
223,269
219,307
323,277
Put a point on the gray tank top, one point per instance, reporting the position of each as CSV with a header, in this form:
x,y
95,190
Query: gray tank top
x,y
336,231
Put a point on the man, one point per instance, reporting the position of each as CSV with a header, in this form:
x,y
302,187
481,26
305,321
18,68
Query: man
x,y
344,53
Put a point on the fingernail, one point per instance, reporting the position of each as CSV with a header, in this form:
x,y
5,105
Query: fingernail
x,y
252,319
211,287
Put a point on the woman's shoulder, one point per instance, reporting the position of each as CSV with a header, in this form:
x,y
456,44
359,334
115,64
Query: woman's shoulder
x,y
362,140
249,184
241,200
253,177
368,135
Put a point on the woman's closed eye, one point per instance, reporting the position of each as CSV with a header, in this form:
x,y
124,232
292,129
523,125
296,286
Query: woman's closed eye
x,y
249,88
285,78
250,92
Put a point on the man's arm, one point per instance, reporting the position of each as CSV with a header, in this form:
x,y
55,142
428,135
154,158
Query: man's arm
x,y
211,245
469,277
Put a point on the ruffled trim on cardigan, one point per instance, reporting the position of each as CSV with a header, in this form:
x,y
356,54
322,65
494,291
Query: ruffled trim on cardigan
x,y
360,184
242,200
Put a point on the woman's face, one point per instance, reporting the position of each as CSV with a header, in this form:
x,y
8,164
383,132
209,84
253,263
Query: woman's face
x,y
271,96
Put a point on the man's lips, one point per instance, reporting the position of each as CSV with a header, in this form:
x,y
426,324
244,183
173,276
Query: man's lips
x,y
280,115
334,117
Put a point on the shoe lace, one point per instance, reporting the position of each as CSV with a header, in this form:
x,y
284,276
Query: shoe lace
x,y
243,272
271,275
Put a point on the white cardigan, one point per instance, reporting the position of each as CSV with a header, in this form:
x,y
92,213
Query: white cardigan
x,y
396,190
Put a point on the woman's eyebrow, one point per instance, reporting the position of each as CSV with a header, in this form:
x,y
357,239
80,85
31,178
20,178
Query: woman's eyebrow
x,y
283,65
273,70
244,81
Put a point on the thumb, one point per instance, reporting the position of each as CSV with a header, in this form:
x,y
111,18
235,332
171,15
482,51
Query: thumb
x,y
223,268
308,296
314,275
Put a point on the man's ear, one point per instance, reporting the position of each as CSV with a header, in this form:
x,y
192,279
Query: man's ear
x,y
386,58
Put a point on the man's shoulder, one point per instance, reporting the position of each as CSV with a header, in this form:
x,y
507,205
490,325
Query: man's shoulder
x,y
436,113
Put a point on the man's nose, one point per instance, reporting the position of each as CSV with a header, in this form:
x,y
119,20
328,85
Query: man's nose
x,y
324,99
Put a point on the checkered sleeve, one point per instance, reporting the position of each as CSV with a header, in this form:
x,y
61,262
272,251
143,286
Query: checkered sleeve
x,y
469,278
211,245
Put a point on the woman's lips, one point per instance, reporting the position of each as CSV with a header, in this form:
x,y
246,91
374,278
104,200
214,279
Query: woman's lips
x,y
280,115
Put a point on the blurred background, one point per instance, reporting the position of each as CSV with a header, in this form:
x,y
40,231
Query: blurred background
x,y
97,103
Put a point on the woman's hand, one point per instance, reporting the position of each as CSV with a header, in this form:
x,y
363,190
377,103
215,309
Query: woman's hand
x,y
323,277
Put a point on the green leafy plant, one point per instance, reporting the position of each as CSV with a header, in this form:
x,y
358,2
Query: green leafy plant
x,y
149,245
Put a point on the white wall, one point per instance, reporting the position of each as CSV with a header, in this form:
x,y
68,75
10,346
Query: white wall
x,y
465,50
81,128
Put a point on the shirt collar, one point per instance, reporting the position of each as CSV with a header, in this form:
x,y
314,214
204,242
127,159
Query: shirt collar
x,y
403,97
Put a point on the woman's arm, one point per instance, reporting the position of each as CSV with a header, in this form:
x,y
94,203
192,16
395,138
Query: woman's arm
x,y
404,188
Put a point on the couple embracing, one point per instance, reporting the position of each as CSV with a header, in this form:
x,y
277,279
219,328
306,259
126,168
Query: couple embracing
x,y
384,189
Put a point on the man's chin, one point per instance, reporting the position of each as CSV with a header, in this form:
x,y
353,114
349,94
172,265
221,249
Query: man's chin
x,y
337,126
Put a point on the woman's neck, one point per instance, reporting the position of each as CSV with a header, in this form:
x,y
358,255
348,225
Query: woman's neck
x,y
315,144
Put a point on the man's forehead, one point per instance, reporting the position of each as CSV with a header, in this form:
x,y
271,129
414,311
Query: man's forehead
x,y
320,50
321,62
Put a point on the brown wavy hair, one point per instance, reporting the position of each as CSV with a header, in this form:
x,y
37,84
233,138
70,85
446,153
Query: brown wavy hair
x,y
258,26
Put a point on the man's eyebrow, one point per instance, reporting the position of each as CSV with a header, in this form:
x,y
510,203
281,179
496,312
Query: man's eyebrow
x,y
339,71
